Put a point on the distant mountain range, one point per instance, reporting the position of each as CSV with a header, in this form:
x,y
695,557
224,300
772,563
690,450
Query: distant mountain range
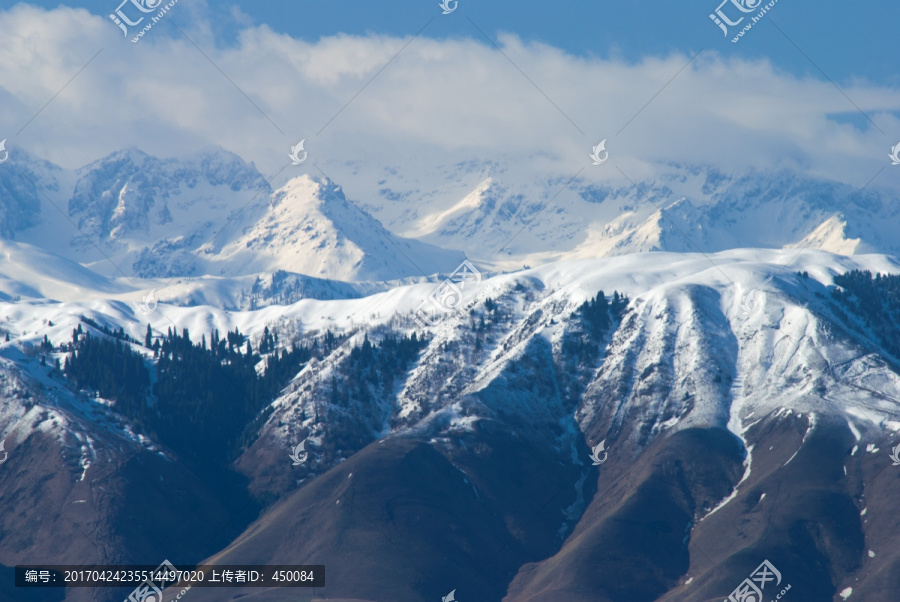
x,y
134,215
682,208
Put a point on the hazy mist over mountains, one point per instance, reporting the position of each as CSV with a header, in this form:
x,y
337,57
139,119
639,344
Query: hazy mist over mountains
x,y
436,305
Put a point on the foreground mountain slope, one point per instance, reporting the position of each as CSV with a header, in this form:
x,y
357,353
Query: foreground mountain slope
x,y
80,487
443,517
706,402
791,380
630,544
718,379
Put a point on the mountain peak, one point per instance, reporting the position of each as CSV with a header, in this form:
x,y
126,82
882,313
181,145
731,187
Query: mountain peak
x,y
312,228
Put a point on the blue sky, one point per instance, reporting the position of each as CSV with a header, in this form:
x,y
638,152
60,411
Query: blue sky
x,y
845,40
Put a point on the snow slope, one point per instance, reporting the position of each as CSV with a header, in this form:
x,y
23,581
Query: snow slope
x,y
481,205
716,340
131,215
707,340
311,228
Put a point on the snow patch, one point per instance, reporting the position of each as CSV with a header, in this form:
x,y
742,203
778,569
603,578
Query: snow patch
x,y
734,492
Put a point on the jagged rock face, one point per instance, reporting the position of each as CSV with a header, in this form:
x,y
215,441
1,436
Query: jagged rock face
x,y
22,182
20,205
128,192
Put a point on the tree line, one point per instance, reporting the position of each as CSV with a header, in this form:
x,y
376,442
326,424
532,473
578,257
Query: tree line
x,y
196,397
874,298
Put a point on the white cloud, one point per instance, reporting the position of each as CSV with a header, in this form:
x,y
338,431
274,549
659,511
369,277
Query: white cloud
x,y
438,101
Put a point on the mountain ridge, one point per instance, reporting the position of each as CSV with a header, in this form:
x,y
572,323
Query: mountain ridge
x,y
146,217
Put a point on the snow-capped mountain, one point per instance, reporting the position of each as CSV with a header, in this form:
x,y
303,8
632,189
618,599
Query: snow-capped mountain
x,y
110,214
29,187
712,377
311,228
132,215
482,205
713,366
703,345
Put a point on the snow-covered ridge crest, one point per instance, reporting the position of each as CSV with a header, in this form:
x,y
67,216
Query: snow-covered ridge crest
x,y
310,227
695,353
682,208
142,216
210,214
688,353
